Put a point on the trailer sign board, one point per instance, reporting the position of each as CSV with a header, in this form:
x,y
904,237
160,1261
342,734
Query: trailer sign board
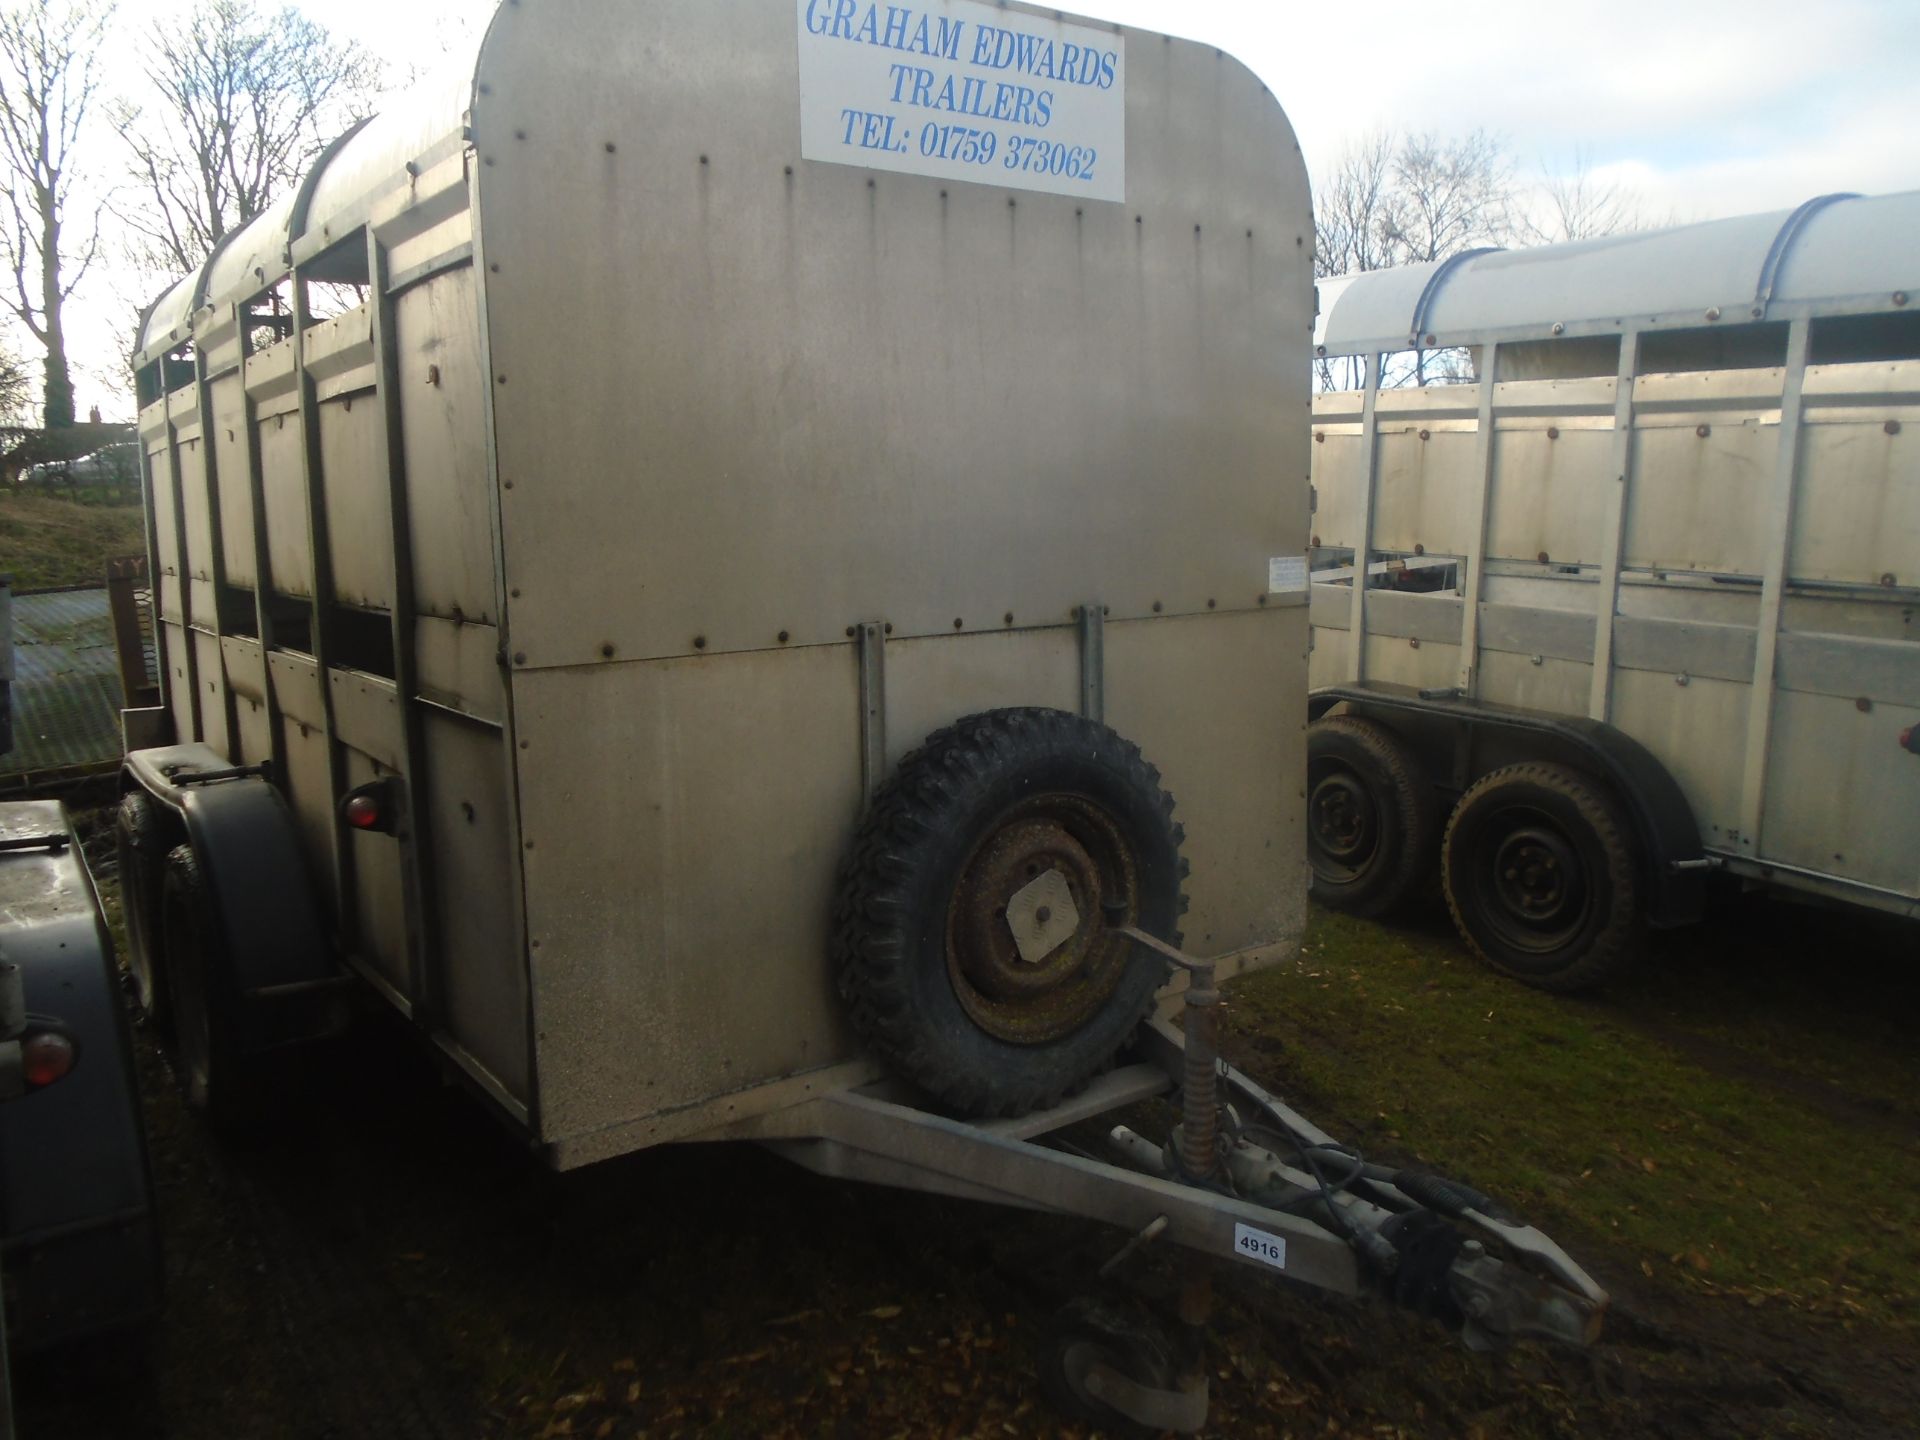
x,y
964,91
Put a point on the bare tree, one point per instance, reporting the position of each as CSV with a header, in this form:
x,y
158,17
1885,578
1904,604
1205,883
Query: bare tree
x,y
1576,204
243,100
16,388
49,51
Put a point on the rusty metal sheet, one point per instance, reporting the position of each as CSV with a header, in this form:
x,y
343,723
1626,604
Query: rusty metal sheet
x,y
458,666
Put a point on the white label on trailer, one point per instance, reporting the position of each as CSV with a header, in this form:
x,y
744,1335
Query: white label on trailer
x,y
1252,1244
1286,574
965,91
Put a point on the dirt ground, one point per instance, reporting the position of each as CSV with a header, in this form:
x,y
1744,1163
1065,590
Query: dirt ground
x,y
395,1265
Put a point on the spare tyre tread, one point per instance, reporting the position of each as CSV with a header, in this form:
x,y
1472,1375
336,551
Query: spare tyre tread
x,y
875,956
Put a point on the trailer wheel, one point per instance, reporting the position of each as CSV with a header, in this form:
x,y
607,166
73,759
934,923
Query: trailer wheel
x,y
1089,1332
141,845
972,934
1373,824
1541,876
215,1075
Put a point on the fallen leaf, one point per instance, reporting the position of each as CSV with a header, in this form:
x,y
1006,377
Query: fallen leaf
x,y
885,1312
1646,1269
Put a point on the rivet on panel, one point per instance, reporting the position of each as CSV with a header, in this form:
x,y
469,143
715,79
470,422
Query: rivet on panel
x,y
1007,618
606,652
958,622
703,159
1263,599
1714,313
1426,434
1683,679
1864,705
1900,297
1544,558
1553,432
1419,549
529,845
1413,644
1320,437
1158,607
1559,328
699,642
513,594
520,657
887,629
1892,427
852,631
501,379
1314,541
1703,431
506,484
784,637
1431,340
494,268
611,147
526,744
519,134
1889,580
1213,604
1536,659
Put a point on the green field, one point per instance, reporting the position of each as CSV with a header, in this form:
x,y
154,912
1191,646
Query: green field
x,y
50,542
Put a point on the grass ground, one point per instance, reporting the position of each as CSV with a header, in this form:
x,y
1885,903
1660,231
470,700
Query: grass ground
x,y
1741,1115
49,541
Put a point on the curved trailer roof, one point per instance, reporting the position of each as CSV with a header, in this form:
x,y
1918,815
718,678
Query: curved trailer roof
x,y
380,154
1835,254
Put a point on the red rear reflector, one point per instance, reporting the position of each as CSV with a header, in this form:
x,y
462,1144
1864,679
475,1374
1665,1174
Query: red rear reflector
x,y
363,812
46,1057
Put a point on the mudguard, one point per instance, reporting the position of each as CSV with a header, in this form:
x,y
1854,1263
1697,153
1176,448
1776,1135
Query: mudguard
x,y
81,1249
1664,827
283,969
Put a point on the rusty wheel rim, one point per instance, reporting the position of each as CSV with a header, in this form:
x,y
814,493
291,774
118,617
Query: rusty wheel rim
x,y
1034,1001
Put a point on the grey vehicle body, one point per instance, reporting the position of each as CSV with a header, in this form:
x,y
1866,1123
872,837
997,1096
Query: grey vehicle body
x,y
1677,504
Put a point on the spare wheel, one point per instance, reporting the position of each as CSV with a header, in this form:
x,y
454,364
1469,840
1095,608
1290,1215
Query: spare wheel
x,y
973,929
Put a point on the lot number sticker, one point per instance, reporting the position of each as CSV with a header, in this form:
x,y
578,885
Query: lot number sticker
x,y
1252,1244
965,91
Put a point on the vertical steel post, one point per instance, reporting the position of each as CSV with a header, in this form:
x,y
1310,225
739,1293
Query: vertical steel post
x,y
1093,662
1773,588
1613,546
262,559
1363,541
217,561
182,577
416,876
873,707
1474,562
320,561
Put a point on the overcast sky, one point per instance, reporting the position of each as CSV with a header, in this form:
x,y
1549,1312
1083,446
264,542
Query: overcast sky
x,y
1704,107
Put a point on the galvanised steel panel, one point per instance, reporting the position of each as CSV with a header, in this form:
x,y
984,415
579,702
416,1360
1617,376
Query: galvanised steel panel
x,y
465,819
380,933
443,426
1549,495
976,672
195,506
1857,514
283,484
1699,501
233,478
309,791
1842,798
1698,731
179,692
353,465
366,715
1535,682
458,666
1219,704
1427,477
682,822
738,392
213,705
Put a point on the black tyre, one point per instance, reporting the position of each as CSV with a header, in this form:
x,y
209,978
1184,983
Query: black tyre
x,y
141,842
1373,821
1086,1332
1542,877
215,1075
1027,821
